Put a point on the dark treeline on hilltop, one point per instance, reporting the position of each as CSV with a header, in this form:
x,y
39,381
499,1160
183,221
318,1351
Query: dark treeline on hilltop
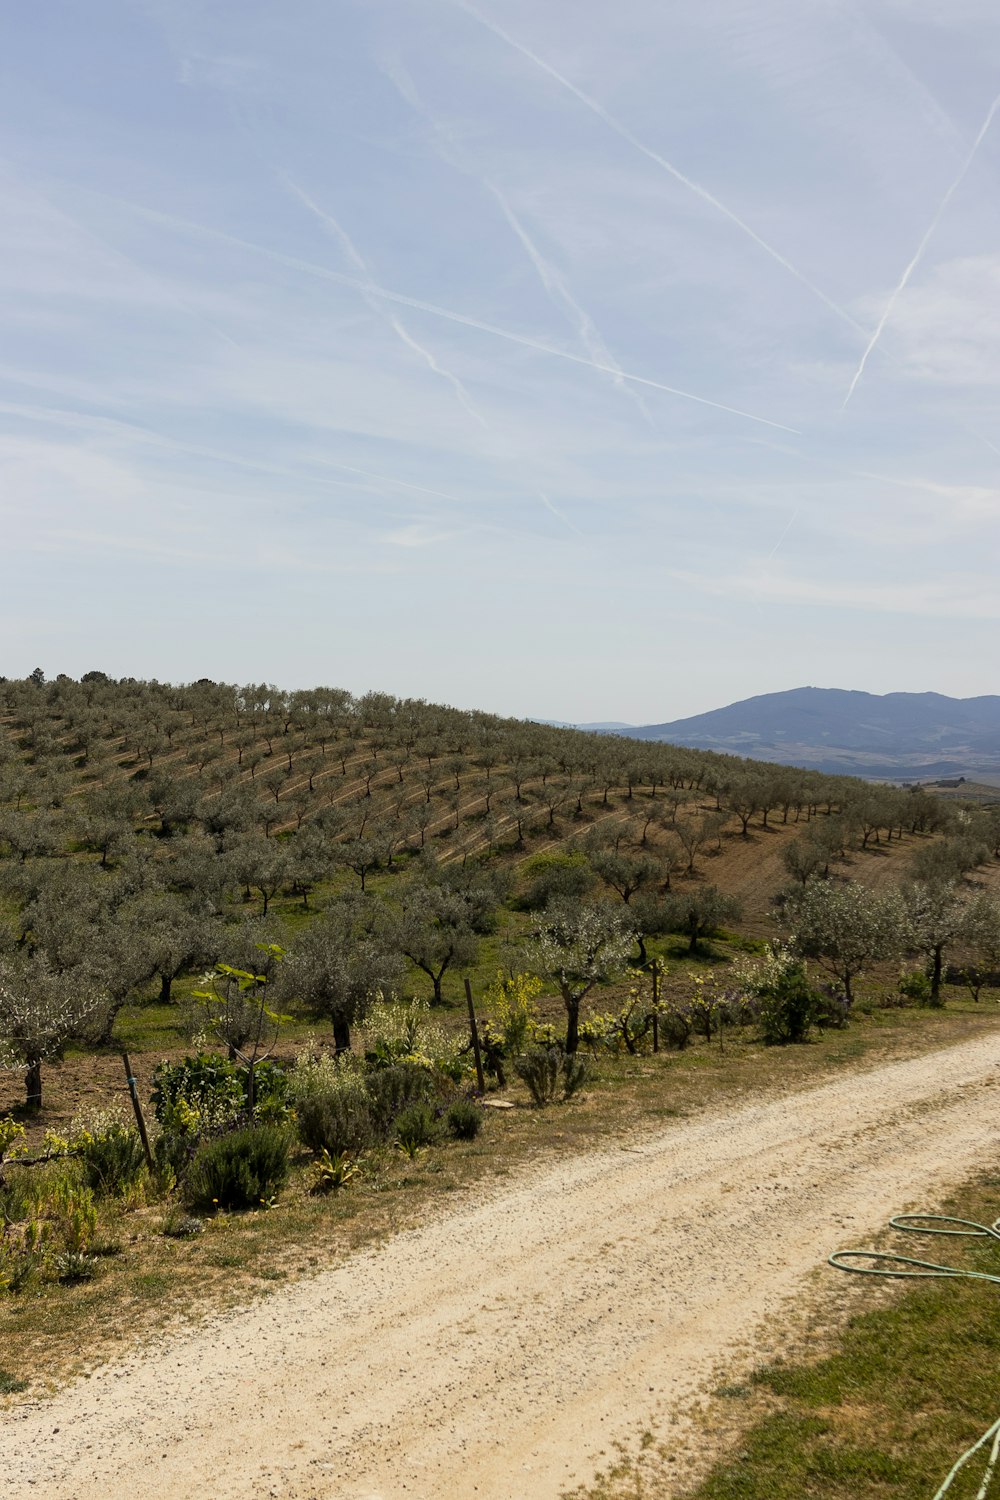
x,y
147,830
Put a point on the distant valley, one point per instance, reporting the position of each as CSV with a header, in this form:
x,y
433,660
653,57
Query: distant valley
x,y
896,735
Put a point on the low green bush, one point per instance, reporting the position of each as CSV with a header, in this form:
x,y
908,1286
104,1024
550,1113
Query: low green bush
x,y
113,1158
338,1121
916,986
417,1126
555,876
243,1169
575,1072
539,1070
787,1008
392,1090
464,1119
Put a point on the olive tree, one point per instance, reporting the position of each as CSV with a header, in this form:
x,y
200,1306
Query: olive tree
x,y
434,930
936,915
847,927
697,912
339,964
41,1009
577,947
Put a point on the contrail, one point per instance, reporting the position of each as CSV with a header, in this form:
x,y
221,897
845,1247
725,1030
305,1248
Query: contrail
x,y
65,418
558,513
918,255
355,257
622,130
342,279
781,538
555,287
560,294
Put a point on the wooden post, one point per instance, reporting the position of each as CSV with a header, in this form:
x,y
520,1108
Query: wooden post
x,y
475,1036
134,1092
656,1001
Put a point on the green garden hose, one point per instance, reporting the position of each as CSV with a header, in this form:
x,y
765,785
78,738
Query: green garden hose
x,y
930,1224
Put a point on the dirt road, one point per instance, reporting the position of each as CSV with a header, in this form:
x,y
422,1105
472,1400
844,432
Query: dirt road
x,y
499,1350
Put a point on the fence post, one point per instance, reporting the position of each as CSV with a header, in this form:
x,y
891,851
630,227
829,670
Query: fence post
x,y
475,1036
134,1092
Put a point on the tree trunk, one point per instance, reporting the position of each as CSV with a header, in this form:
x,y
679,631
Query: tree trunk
x,y
33,1085
341,1035
936,956
166,983
572,1023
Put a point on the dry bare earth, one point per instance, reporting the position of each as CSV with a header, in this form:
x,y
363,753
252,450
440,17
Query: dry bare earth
x,y
501,1349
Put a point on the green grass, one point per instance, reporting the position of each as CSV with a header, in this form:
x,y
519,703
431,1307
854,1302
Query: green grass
x,y
907,1389
910,1388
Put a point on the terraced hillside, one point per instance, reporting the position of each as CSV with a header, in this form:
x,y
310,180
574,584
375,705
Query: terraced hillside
x,y
148,830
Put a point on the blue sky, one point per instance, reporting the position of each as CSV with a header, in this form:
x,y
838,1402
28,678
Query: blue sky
x,y
576,360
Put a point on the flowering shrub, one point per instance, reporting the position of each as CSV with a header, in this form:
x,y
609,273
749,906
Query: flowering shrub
x,y
403,1032
787,1005
511,998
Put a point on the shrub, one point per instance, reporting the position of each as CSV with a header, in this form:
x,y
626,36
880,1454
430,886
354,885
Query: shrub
x,y
556,876
331,1104
208,1092
916,986
205,1090
511,999
416,1127
404,1033
833,1009
787,1007
464,1119
337,1121
113,1157
676,1023
243,1169
393,1090
540,1069
575,1072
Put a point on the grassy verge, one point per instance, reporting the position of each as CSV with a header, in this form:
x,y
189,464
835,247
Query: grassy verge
x,y
904,1387
148,1280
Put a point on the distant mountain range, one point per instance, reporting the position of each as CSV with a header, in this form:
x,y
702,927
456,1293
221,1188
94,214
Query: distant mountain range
x,y
904,735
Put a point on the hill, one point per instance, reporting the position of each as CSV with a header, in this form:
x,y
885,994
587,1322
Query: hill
x,y
911,735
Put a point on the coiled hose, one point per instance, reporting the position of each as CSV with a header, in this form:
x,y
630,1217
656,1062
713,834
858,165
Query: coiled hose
x,y
884,1265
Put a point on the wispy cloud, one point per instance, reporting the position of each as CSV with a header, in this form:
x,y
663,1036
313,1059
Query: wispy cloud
x,y
959,597
559,515
918,254
552,280
559,293
627,135
309,268
377,305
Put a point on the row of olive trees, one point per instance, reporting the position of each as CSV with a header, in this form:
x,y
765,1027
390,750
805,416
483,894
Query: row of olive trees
x,y
848,928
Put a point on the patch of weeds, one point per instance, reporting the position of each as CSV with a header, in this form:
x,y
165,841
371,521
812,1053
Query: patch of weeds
x,y
181,1226
74,1266
11,1384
